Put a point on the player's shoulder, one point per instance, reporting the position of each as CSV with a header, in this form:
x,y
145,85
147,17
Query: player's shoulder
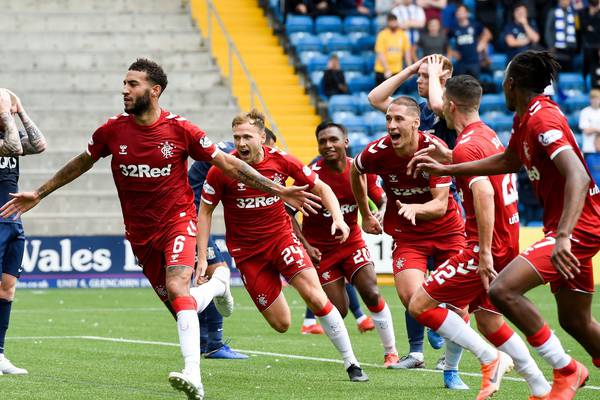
x,y
116,120
544,112
428,138
378,145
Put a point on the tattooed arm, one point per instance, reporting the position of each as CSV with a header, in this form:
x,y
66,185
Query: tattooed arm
x,y
33,141
9,144
24,201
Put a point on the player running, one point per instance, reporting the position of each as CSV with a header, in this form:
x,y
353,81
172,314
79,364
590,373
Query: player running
x,y
351,260
543,142
14,143
492,230
260,238
149,148
421,215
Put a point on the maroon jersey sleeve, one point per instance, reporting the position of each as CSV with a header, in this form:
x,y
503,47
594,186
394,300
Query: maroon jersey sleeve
x,y
212,190
551,131
374,190
199,146
365,161
98,144
301,174
469,152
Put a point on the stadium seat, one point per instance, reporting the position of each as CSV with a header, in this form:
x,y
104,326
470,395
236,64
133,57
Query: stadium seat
x,y
357,24
352,63
316,79
302,41
298,23
328,23
593,162
375,121
498,61
306,56
353,123
571,82
364,43
375,27
369,62
575,103
499,122
358,141
362,103
361,83
336,42
492,102
317,63
573,119
342,103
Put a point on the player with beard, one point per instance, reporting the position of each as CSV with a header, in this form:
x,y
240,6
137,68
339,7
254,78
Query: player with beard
x,y
492,230
543,142
260,236
13,144
149,148
350,261
421,215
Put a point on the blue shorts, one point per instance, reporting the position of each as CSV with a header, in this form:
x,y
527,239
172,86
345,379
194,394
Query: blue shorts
x,y
12,245
214,255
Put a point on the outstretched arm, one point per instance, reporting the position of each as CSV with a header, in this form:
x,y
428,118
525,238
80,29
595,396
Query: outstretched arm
x,y
239,170
502,163
25,201
33,142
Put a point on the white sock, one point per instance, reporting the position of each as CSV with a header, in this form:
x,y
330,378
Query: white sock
x,y
188,328
309,321
361,319
334,327
553,352
453,356
385,329
456,330
205,293
525,365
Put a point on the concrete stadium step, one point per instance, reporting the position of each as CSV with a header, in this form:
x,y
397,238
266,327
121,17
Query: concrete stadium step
x,y
100,6
172,99
93,22
83,80
97,178
119,61
64,201
65,41
57,118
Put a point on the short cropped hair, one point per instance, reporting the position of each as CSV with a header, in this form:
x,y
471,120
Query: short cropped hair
x,y
156,75
253,117
330,124
410,103
465,91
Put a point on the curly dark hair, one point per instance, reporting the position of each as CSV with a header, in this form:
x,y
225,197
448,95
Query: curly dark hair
x,y
156,74
533,70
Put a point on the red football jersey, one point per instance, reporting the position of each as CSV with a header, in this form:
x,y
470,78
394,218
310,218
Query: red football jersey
x,y
253,217
149,166
317,228
538,138
379,158
475,142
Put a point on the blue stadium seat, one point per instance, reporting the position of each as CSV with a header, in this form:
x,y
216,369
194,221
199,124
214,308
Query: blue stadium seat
x,y
342,103
375,120
328,23
369,62
575,103
573,119
362,102
336,42
357,24
361,83
593,162
492,102
498,61
571,82
499,122
352,122
298,23
375,27
579,139
499,80
352,63
316,79
358,141
302,41
306,56
317,63
364,43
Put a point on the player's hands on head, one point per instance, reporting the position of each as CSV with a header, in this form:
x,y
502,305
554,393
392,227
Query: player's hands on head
x,y
300,199
370,224
313,253
486,269
199,276
563,259
16,101
340,226
408,211
21,202
435,66
5,102
414,67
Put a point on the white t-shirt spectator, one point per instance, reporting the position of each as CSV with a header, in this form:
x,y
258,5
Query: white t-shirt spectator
x,y
589,118
408,13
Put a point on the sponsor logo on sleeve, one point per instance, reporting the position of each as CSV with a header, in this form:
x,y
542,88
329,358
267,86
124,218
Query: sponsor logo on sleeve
x,y
549,137
205,142
307,171
208,189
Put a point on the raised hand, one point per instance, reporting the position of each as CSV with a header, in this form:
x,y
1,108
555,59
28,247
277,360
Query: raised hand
x,y
300,199
19,204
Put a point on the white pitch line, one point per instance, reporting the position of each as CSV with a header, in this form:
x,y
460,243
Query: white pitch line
x,y
262,353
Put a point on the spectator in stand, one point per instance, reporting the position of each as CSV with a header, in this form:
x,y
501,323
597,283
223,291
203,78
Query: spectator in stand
x,y
433,41
589,123
470,43
311,8
561,34
355,7
590,40
411,18
383,8
334,81
521,34
486,12
433,8
392,49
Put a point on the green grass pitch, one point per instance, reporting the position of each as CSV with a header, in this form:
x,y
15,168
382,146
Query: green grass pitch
x,y
121,344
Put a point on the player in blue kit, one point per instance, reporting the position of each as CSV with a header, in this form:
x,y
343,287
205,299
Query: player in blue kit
x,y
13,143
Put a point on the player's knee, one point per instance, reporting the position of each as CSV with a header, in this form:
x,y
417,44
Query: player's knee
x,y
371,297
176,289
415,308
280,325
500,295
